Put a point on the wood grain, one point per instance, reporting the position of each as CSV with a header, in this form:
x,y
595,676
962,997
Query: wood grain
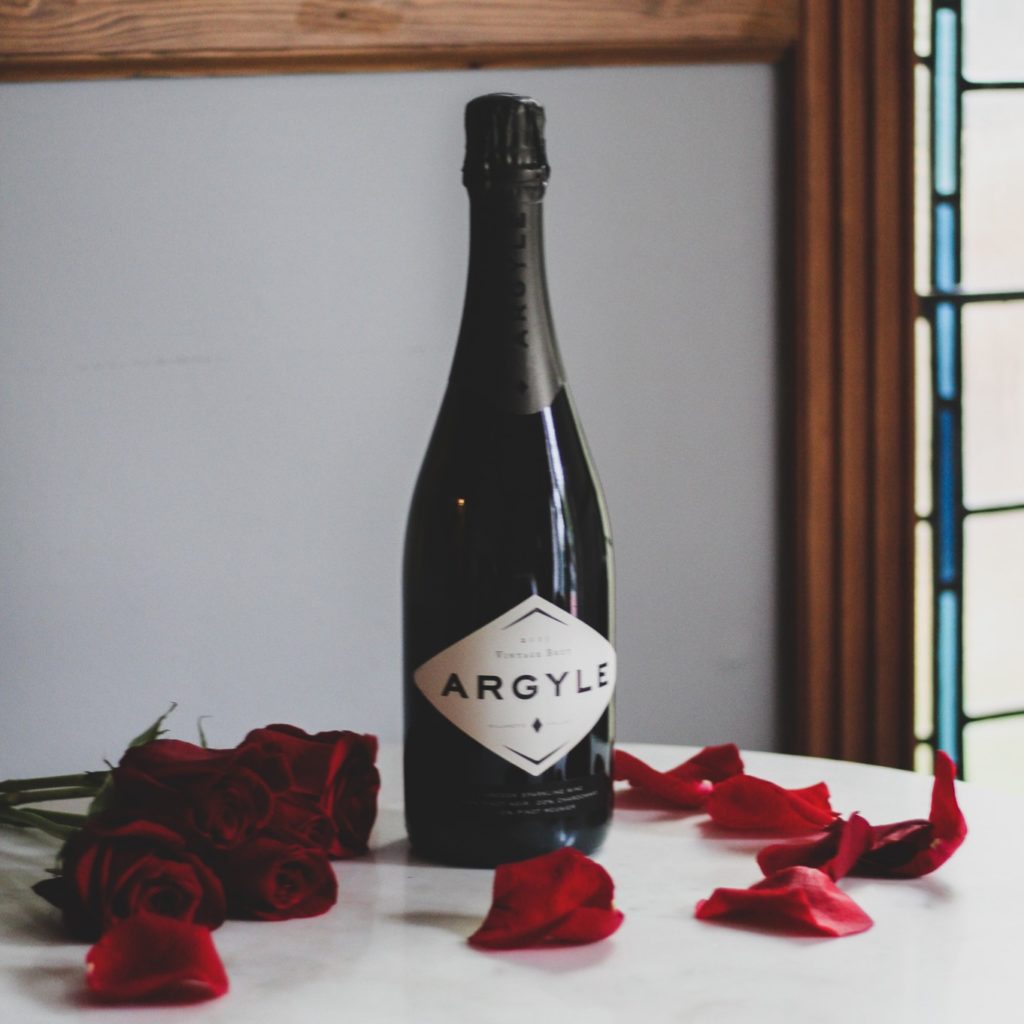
x,y
105,38
854,357
848,385
892,388
809,402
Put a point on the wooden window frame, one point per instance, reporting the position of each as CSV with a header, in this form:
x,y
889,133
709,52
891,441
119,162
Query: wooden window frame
x,y
845,243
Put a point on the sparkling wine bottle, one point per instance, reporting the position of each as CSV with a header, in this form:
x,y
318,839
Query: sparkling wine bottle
x,y
508,589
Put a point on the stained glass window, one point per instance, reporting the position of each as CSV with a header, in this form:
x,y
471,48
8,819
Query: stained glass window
x,y
969,686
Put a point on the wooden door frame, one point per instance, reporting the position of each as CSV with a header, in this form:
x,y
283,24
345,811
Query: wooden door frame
x,y
845,243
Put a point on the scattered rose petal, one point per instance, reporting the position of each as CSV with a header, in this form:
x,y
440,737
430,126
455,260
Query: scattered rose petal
x,y
682,792
910,849
797,899
688,784
752,804
715,764
835,851
148,956
560,898
903,849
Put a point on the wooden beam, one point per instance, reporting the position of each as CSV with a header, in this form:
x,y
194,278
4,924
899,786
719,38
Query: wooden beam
x,y
848,384
120,38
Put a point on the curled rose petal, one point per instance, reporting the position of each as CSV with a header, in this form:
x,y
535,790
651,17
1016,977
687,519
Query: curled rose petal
x,y
147,956
561,898
688,784
835,851
902,849
910,849
757,805
681,792
798,899
716,764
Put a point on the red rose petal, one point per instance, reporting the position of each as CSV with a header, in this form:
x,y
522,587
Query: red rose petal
x,y
682,792
148,956
751,804
910,849
797,899
560,898
902,849
716,764
835,851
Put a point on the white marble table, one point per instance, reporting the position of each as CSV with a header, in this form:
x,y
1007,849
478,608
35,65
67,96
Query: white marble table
x,y
944,948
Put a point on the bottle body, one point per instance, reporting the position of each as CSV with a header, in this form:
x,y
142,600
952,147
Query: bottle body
x,y
507,579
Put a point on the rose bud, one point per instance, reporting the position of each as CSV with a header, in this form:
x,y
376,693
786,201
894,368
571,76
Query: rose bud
x,y
272,880
334,769
301,821
219,797
113,871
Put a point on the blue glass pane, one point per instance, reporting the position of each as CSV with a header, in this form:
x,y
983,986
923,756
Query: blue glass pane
x,y
945,248
947,508
947,725
945,350
946,71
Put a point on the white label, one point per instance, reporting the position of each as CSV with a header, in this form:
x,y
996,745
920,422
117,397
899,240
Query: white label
x,y
527,686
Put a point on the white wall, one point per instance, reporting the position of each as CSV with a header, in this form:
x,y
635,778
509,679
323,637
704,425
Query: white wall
x,y
227,309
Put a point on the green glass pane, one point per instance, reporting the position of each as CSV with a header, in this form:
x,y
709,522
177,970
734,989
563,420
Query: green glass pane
x,y
924,712
994,613
923,417
993,30
922,27
994,753
922,180
993,396
993,201
924,759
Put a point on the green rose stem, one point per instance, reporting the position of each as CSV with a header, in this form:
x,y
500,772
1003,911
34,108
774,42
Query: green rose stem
x,y
59,824
14,793
97,785
93,780
42,795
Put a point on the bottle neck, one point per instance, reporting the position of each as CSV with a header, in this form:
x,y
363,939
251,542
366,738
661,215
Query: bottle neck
x,y
507,352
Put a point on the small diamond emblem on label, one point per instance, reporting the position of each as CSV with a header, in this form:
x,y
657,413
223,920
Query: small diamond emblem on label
x,y
528,686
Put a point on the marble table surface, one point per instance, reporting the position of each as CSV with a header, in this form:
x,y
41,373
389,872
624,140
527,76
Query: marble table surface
x,y
947,947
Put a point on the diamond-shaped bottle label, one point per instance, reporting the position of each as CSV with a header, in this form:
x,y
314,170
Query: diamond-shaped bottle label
x,y
528,686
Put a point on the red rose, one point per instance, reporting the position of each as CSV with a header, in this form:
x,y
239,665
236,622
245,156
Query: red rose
x,y
117,870
221,797
335,770
272,880
298,820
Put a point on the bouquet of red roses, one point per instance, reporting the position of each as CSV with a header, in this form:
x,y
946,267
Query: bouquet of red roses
x,y
180,836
